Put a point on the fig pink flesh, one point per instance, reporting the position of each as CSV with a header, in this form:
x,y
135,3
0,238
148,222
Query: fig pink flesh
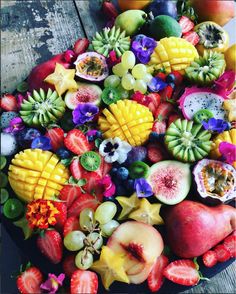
x,y
193,228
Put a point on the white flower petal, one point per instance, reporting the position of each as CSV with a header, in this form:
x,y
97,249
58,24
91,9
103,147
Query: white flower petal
x,y
113,158
122,157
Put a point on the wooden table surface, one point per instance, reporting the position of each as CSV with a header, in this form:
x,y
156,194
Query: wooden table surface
x,y
34,31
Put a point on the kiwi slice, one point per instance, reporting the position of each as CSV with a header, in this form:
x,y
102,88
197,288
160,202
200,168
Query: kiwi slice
x,y
138,169
3,180
202,114
110,95
13,208
90,160
4,195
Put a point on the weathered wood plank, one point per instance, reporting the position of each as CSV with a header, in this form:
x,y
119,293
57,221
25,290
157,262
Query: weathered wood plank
x,y
33,31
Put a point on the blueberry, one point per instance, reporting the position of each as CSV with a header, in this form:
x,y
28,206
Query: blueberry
x,y
113,172
122,173
170,78
26,136
63,153
90,138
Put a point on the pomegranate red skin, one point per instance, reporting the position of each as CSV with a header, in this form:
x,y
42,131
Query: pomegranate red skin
x,y
194,228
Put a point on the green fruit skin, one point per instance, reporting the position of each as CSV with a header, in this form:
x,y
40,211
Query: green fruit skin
x,y
131,21
164,26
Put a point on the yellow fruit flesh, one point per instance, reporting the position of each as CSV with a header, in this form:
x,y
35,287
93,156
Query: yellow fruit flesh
x,y
230,58
37,174
127,120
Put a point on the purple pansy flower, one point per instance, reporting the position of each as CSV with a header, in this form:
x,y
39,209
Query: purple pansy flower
x,y
52,283
215,125
16,125
156,84
228,151
143,189
41,142
84,112
143,47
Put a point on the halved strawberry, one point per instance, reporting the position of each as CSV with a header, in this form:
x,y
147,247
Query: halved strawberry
x,y
68,265
222,253
166,93
77,142
159,127
183,272
29,281
186,24
71,224
156,152
230,244
76,169
82,202
155,101
69,193
155,278
93,185
56,136
209,258
192,37
163,110
104,168
8,102
80,46
62,215
84,282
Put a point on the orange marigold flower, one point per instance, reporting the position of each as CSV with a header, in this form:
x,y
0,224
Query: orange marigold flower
x,y
41,213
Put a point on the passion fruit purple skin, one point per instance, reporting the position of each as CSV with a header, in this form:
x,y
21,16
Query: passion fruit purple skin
x,y
221,170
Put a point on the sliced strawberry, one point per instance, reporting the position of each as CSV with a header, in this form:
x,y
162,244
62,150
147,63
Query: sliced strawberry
x,y
186,24
56,136
84,282
163,110
104,168
69,193
76,169
82,202
156,152
62,215
166,93
93,185
155,101
50,245
69,266
77,142
192,37
156,278
29,281
71,224
222,253
209,258
173,117
230,244
183,272
8,102
159,127
80,46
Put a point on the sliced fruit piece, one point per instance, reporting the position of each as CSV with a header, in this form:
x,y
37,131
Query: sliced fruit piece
x,y
192,37
128,205
8,102
202,114
90,160
138,169
230,244
29,281
222,253
186,24
84,282
77,142
156,152
110,95
209,258
170,181
71,224
56,136
69,193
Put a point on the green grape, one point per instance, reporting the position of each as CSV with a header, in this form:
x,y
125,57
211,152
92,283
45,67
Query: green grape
x,y
128,82
108,228
123,93
128,60
74,240
105,212
139,71
147,77
95,239
119,70
86,219
84,259
140,86
112,81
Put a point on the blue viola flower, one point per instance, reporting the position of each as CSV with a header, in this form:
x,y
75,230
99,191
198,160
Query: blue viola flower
x,y
156,84
215,125
84,112
143,48
41,142
142,188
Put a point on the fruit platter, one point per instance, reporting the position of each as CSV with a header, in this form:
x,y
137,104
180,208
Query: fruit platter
x,y
118,156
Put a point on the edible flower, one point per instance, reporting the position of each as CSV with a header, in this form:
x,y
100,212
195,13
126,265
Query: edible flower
x,y
16,125
156,84
69,56
143,189
225,84
108,185
141,98
228,151
84,112
143,48
41,142
114,150
52,283
215,125
112,59
41,213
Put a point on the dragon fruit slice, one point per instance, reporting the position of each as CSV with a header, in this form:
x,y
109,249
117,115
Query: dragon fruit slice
x,y
195,99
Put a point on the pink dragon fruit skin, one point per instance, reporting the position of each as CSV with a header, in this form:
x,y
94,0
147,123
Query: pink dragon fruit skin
x,y
194,99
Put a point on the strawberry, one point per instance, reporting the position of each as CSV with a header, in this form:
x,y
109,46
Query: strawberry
x,y
29,281
56,136
50,245
163,110
84,282
209,258
76,169
186,24
192,37
8,102
80,46
71,224
93,185
109,9
183,272
155,152
68,265
222,253
77,142
82,202
166,93
69,193
159,127
155,278
62,215
173,117
155,100
230,244
104,168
